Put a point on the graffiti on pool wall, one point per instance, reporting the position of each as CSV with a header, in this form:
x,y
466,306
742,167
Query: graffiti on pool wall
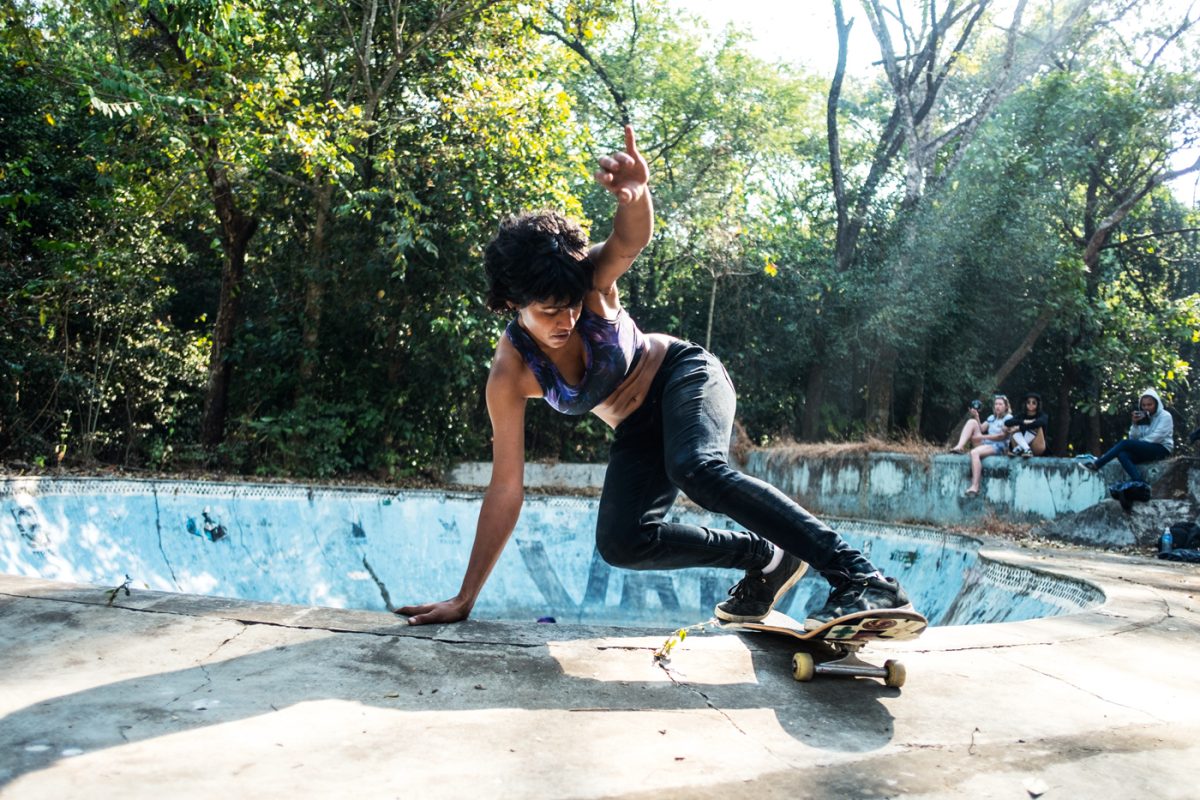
x,y
210,529
640,591
29,527
449,533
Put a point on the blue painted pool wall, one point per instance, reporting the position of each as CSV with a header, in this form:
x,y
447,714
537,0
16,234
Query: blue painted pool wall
x,y
374,549
905,488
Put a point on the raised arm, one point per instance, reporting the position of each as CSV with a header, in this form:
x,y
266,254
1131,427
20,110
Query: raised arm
x,y
627,176
501,502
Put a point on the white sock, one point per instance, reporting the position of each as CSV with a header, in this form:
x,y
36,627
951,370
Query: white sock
x,y
776,560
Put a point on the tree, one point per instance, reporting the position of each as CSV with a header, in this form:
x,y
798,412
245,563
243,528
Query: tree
x,y
89,368
944,84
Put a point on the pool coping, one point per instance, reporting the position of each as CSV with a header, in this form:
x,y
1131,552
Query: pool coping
x,y
1127,607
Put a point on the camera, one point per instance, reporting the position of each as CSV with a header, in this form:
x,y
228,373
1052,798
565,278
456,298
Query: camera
x,y
977,405
1139,414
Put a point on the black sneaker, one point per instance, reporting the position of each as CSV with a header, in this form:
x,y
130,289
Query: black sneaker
x,y
860,593
753,597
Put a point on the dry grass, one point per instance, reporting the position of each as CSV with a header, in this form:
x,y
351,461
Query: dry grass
x,y
908,445
20,469
994,525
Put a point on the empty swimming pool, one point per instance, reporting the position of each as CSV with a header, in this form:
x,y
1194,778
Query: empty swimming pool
x,y
375,549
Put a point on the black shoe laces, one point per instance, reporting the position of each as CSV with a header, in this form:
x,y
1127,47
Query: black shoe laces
x,y
848,593
741,590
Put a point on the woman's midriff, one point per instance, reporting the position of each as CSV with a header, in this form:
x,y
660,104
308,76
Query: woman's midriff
x,y
630,395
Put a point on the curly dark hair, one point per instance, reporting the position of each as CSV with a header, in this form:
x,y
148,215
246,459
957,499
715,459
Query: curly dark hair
x,y
537,256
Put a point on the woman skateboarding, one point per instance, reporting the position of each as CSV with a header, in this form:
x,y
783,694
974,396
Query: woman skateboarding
x,y
671,405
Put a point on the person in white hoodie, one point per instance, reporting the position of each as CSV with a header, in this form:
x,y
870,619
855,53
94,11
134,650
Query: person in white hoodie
x,y
1151,438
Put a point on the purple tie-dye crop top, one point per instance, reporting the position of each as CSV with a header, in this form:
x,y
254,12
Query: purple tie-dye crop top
x,y
611,348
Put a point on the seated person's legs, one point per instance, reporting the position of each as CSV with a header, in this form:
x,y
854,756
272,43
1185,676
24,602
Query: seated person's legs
x,y
1022,442
988,448
1137,452
971,432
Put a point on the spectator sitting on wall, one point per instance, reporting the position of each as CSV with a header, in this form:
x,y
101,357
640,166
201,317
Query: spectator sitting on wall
x,y
988,438
1028,427
1151,438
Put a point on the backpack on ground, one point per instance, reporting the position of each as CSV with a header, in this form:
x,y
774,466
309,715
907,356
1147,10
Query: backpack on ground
x,y
1185,536
1129,492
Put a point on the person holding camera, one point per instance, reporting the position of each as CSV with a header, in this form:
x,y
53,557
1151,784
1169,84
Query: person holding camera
x,y
988,438
1151,438
1027,428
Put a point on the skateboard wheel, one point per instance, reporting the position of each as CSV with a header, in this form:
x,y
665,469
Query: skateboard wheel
x,y
802,667
895,674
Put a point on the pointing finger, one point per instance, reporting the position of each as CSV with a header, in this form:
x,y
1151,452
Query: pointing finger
x,y
630,141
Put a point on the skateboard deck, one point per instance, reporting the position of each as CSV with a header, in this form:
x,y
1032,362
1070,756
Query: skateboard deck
x,y
846,636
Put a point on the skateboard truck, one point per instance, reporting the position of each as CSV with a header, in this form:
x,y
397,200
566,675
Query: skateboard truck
x,y
805,668
844,636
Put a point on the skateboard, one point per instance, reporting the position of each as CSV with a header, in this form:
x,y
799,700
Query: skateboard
x,y
845,636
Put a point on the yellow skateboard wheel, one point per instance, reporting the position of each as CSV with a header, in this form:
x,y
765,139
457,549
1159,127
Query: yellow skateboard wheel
x,y
895,674
802,667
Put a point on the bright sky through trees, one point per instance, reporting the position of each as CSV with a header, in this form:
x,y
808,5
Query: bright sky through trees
x,y
802,32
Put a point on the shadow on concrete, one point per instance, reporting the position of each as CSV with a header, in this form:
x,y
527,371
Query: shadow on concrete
x,y
466,667
835,713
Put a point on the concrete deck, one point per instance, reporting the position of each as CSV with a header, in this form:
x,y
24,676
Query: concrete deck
x,y
180,696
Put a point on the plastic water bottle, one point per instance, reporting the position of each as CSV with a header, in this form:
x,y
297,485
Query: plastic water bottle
x,y
1166,541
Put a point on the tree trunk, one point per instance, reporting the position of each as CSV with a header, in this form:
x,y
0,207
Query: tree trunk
x,y
1031,336
712,305
881,378
916,405
814,399
1062,422
1093,435
236,230
314,291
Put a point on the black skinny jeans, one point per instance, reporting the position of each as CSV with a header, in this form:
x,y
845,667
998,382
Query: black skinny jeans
x,y
678,440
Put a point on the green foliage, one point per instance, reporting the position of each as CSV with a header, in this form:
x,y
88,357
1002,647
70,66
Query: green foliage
x,y
88,366
377,146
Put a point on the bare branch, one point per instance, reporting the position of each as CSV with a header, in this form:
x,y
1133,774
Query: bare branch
x,y
359,49
831,122
1188,22
575,44
450,14
1151,235
1008,77
1104,229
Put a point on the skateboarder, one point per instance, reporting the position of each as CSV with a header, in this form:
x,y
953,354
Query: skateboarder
x,y
671,405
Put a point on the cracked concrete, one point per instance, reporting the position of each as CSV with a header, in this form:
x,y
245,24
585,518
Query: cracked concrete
x,y
186,696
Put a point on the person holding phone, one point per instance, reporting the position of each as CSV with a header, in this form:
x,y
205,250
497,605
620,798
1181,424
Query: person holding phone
x,y
1151,438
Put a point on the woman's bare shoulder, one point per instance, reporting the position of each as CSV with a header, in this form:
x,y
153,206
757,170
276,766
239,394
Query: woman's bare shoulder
x,y
510,374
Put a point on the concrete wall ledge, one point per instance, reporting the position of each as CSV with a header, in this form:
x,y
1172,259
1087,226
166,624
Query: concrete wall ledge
x,y
546,476
907,488
1059,497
